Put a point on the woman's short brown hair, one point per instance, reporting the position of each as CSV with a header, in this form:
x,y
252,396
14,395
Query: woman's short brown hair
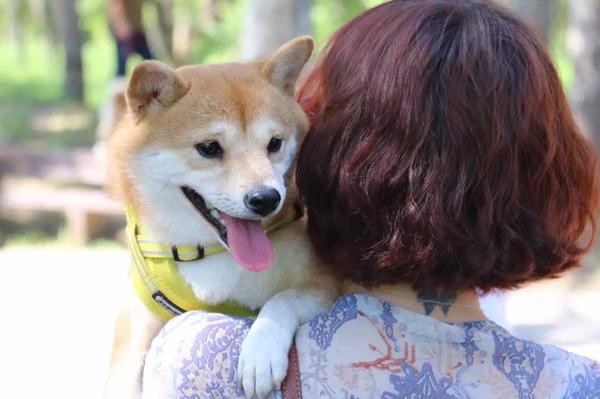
x,y
442,151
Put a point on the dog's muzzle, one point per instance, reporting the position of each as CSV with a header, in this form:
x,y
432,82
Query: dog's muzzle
x,y
210,215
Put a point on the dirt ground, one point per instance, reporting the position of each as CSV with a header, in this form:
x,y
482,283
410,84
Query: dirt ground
x,y
59,307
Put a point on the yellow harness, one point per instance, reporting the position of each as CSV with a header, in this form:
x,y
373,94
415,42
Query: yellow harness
x,y
156,277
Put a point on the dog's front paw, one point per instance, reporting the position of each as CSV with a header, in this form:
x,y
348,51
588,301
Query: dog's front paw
x,y
263,359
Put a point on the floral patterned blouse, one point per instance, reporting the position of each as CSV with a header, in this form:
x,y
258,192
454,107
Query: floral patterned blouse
x,y
368,348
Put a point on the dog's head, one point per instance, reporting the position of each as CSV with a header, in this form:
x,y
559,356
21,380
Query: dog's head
x,y
212,146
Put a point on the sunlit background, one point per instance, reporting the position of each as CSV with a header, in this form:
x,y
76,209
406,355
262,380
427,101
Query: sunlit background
x,y
62,255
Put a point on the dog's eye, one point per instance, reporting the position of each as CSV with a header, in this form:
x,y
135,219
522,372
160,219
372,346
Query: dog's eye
x,y
274,145
210,149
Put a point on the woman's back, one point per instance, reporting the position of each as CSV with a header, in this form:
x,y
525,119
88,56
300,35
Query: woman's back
x,y
365,347
402,354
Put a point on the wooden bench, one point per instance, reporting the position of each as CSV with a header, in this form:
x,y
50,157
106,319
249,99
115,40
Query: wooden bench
x,y
67,182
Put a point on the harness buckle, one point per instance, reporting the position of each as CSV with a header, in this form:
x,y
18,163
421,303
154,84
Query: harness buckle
x,y
178,259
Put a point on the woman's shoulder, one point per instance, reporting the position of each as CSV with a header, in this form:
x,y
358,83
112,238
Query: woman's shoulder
x,y
195,356
364,345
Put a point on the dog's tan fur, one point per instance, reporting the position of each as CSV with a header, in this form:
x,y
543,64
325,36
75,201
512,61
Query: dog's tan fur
x,y
169,112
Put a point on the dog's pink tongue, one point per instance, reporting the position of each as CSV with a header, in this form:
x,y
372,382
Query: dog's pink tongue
x,y
248,243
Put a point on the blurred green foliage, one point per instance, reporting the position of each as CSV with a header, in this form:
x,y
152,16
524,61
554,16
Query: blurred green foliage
x,y
31,79
31,74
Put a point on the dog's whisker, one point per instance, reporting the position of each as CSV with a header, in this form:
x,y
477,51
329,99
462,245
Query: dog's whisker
x,y
159,192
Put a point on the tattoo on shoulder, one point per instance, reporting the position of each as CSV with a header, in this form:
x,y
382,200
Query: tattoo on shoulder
x,y
431,299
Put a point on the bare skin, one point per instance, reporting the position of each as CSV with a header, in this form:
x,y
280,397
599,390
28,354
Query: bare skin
x,y
446,307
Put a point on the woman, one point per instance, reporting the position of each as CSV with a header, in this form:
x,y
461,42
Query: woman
x,y
442,162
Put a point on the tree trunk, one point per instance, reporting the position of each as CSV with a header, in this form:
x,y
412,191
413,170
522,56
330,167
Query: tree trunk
x,y
540,14
13,23
67,21
165,25
584,48
158,28
270,23
39,13
181,36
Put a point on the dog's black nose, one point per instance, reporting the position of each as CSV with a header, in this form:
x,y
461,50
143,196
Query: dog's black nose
x,y
263,200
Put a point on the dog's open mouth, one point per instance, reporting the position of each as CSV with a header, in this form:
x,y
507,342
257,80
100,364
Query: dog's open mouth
x,y
245,239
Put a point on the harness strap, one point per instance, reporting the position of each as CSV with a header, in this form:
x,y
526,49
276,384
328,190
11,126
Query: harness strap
x,y
156,276
191,253
179,253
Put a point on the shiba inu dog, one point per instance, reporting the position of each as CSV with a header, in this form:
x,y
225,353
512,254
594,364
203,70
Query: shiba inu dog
x,y
202,158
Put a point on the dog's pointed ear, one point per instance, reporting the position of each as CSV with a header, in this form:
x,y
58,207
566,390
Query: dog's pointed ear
x,y
283,67
153,86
